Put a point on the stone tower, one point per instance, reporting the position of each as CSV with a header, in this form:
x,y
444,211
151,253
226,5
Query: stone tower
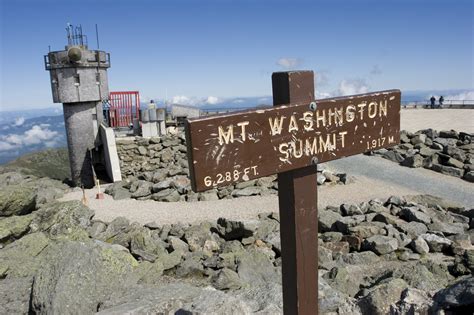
x,y
79,82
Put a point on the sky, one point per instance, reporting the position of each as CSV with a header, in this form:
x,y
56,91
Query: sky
x,y
209,51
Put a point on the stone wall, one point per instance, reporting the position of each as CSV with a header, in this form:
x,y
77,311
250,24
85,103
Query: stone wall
x,y
447,152
157,168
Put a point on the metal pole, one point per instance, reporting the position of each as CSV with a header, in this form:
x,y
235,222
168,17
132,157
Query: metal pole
x,y
298,203
97,36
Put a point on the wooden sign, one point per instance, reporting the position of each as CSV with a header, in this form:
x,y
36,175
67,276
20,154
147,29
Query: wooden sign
x,y
241,146
290,140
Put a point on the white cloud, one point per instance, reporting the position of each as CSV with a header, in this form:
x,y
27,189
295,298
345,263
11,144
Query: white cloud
x,y
322,78
353,86
288,63
36,135
212,100
195,101
237,101
183,100
5,146
468,95
320,95
19,121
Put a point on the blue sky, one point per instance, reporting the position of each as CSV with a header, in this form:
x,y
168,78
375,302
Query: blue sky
x,y
214,50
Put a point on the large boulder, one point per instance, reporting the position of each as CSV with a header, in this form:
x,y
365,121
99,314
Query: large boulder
x,y
173,298
15,295
458,298
79,277
63,219
380,297
17,200
23,257
14,227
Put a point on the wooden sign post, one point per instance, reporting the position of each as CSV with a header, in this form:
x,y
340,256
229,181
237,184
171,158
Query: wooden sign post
x,y
289,140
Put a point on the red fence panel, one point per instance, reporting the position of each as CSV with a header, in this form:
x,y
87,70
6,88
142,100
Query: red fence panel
x,y
123,107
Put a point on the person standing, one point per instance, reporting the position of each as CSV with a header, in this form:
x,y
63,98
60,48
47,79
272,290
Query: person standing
x,y
441,100
433,100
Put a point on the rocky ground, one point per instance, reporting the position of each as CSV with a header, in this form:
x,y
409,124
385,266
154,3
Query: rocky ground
x,y
404,255
447,152
157,169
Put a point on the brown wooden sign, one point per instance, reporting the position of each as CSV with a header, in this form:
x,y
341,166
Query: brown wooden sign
x,y
241,146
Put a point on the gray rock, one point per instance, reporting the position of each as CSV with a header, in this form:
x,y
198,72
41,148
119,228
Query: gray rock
x,y
247,191
445,141
469,176
393,156
177,244
362,258
449,134
23,257
162,185
350,209
117,191
413,214
191,266
380,297
209,196
446,228
413,161
143,189
57,288
14,227
425,152
96,228
17,200
174,298
436,243
320,179
327,220
232,230
454,163
381,245
332,301
159,175
457,297
226,279
413,301
15,295
420,138
420,246
67,218
143,246
255,268
448,170
119,225
455,152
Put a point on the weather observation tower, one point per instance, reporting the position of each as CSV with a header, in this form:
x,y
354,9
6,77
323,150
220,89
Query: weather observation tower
x,y
79,82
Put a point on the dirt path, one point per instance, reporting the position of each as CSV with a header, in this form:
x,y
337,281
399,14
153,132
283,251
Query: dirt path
x,y
375,178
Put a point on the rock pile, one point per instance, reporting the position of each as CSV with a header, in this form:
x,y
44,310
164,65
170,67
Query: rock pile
x,y
405,255
157,169
446,152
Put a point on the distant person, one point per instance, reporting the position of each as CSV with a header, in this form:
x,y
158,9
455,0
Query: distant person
x,y
433,100
441,100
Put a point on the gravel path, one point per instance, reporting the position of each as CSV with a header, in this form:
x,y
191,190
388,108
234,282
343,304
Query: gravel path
x,y
375,178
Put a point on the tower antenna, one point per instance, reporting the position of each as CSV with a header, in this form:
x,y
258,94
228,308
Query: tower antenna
x,y
97,35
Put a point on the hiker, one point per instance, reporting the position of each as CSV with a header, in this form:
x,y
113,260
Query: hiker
x,y
441,100
433,100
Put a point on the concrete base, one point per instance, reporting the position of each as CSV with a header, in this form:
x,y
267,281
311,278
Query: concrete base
x,y
112,163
